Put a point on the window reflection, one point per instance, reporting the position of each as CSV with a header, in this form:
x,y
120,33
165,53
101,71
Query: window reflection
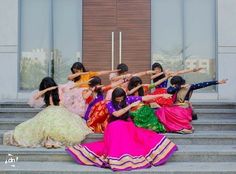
x,y
183,37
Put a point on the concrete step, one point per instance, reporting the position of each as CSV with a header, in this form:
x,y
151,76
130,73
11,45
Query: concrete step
x,y
197,138
30,112
216,116
216,124
186,153
73,168
14,105
213,104
19,112
215,111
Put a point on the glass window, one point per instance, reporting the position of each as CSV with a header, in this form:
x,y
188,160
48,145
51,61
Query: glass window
x,y
34,42
183,37
50,40
67,36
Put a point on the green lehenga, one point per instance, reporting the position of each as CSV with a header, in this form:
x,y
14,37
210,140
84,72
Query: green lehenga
x,y
55,123
145,117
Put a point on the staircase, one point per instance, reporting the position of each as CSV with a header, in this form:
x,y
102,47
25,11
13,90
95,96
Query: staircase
x,y
211,149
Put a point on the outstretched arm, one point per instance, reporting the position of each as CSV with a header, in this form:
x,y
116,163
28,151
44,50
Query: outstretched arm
x,y
156,75
168,75
125,76
134,90
184,71
99,73
151,97
41,93
124,110
112,85
205,84
72,76
139,74
77,85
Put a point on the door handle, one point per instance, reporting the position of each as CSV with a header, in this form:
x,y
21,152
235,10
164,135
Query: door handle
x,y
112,50
120,47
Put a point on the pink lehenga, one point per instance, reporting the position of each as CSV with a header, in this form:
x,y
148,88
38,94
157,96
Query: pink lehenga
x,y
175,118
124,147
178,118
72,98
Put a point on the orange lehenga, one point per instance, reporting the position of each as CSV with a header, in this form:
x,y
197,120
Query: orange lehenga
x,y
97,114
162,89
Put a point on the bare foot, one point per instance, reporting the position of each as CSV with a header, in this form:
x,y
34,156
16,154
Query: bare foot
x,y
185,131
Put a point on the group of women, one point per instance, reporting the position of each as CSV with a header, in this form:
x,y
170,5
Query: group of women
x,y
130,114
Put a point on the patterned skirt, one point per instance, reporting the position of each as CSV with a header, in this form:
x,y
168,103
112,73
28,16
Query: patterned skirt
x,y
175,118
145,117
125,147
98,117
55,123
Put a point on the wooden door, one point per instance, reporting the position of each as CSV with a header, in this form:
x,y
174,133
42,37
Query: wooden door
x,y
99,21
129,20
134,25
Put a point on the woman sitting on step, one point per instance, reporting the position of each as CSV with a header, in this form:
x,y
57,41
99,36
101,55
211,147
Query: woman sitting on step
x,y
71,92
54,126
177,118
162,88
125,146
143,115
97,114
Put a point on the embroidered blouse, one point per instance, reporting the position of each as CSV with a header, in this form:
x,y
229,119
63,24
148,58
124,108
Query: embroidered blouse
x,y
111,108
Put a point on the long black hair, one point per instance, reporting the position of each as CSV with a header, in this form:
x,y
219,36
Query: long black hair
x,y
46,83
134,82
123,68
119,92
158,65
94,82
77,66
177,80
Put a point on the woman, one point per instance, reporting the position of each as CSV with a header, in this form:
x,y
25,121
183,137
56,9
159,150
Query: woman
x,y
123,75
97,114
54,126
161,88
80,74
143,115
177,118
125,146
72,91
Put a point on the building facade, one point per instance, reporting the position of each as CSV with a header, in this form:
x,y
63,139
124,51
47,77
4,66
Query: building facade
x,y
41,38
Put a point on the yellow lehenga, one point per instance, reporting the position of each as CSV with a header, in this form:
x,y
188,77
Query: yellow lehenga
x,y
54,123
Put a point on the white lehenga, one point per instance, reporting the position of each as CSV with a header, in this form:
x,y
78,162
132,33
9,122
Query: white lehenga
x,y
53,124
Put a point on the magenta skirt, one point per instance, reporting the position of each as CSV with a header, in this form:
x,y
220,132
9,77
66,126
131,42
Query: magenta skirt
x,y
125,147
175,118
